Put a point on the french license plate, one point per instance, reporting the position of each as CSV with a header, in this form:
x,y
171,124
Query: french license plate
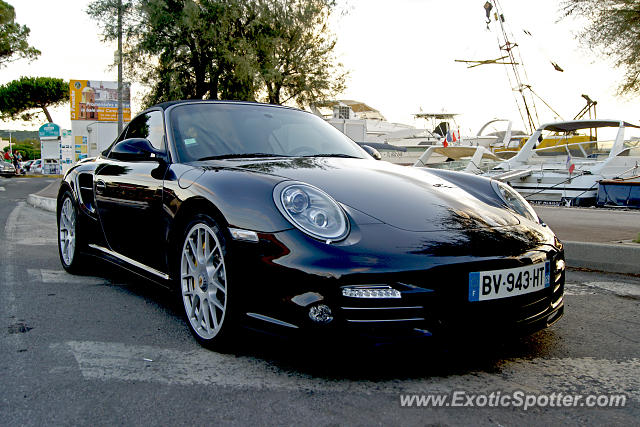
x,y
509,282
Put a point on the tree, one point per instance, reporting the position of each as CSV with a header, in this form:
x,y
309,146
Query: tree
x,y
20,97
179,49
295,51
13,37
268,50
613,29
27,150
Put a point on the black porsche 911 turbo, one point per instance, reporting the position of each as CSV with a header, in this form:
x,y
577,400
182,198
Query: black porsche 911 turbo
x,y
268,217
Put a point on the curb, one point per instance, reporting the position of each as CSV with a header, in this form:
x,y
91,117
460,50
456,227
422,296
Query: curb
x,y
45,203
609,257
39,176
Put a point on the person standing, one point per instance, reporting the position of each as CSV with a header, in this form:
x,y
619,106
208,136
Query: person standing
x,y
18,162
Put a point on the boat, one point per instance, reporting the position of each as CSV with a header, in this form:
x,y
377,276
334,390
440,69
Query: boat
x,y
367,126
619,192
414,146
571,178
525,97
469,159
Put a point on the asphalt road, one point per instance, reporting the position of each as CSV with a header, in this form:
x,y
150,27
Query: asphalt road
x,y
593,225
110,348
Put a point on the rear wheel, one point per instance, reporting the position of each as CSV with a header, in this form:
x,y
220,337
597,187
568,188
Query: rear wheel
x,y
203,282
70,242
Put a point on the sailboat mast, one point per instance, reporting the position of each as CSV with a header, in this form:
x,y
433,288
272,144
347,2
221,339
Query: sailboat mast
x,y
529,115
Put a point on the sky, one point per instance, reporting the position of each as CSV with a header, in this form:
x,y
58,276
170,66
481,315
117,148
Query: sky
x,y
400,55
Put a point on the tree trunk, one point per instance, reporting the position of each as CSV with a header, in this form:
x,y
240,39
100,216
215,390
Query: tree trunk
x,y
46,113
214,77
277,89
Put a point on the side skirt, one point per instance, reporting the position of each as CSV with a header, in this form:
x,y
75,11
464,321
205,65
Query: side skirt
x,y
130,261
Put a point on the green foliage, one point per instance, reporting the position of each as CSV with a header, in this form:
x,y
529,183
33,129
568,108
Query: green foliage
x,y
13,37
28,152
637,239
20,97
612,30
295,51
266,50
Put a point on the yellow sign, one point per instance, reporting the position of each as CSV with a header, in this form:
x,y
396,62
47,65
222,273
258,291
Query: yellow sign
x,y
98,100
81,147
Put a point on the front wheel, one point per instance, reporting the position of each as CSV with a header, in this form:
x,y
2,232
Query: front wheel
x,y
69,240
203,282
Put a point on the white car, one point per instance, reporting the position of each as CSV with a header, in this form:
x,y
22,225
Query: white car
x,y
7,169
36,166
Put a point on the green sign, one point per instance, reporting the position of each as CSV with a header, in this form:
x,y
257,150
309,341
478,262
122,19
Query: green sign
x,y
49,130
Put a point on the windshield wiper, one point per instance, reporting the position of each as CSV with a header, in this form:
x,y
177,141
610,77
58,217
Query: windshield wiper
x,y
241,156
347,156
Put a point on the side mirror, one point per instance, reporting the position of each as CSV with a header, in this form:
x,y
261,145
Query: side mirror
x,y
136,149
372,152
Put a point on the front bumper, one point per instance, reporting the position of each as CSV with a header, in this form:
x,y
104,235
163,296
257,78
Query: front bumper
x,y
288,278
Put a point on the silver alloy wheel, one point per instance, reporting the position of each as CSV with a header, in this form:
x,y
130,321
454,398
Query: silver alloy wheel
x,y
67,231
203,281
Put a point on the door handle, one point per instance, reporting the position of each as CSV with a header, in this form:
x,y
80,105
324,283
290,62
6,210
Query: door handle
x,y
100,186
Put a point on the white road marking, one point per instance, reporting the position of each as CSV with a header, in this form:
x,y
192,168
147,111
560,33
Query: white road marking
x,y
618,288
61,276
2,189
7,295
578,289
594,288
39,230
121,362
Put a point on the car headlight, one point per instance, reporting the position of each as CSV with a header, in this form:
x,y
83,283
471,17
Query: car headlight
x,y
515,201
312,211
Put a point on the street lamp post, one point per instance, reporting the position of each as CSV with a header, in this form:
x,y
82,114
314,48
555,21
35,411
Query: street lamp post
x,y
120,112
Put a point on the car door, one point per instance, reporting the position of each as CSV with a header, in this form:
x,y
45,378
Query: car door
x,y
128,196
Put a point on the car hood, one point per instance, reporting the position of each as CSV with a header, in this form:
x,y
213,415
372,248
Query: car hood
x,y
407,198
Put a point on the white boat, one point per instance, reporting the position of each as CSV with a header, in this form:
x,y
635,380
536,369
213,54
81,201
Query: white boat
x,y
469,159
366,125
570,178
413,146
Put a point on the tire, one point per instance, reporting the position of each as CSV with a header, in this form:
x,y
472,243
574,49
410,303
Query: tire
x,y
70,240
203,283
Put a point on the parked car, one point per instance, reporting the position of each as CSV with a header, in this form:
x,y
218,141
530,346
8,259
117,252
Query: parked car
x,y
26,165
7,170
36,166
268,217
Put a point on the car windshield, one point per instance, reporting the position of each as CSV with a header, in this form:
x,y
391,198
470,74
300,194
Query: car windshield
x,y
204,131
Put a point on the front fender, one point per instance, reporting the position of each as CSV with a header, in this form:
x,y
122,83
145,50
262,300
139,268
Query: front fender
x,y
243,198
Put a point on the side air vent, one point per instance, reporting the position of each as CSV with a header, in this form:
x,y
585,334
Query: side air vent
x,y
85,185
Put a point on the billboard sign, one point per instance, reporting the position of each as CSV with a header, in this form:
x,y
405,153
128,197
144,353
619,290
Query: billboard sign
x,y
98,100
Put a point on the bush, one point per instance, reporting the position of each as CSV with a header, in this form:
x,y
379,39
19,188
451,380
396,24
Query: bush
x,y
27,151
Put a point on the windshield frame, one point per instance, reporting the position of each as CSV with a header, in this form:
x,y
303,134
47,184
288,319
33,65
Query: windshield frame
x,y
352,148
